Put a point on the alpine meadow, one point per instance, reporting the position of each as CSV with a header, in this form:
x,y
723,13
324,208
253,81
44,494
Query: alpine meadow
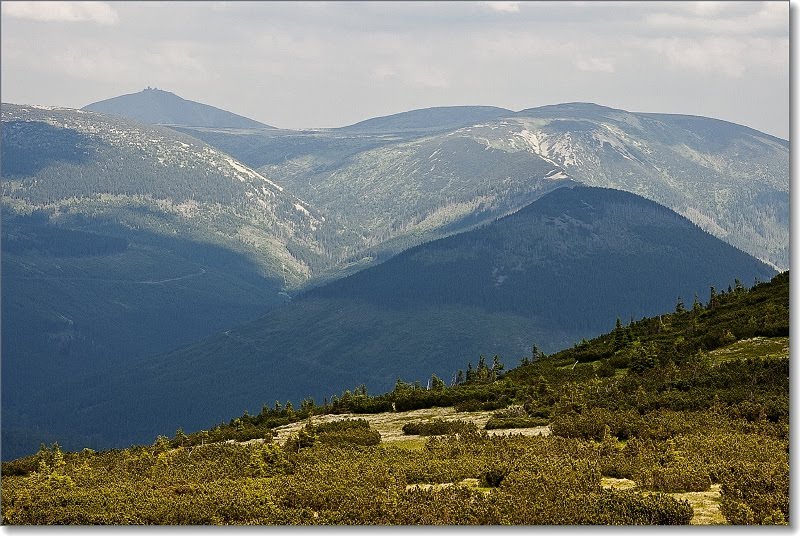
x,y
533,310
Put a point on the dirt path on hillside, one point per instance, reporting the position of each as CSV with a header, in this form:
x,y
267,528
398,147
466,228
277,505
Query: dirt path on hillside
x,y
390,424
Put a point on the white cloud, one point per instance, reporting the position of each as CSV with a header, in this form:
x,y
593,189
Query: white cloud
x,y
724,18
410,74
706,55
100,66
334,64
170,60
504,7
179,56
728,56
383,72
429,78
706,8
98,12
595,65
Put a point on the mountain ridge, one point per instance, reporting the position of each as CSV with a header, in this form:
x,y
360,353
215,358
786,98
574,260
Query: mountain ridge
x,y
430,119
700,167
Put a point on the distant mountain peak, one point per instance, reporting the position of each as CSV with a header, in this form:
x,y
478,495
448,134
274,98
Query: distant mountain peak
x,y
160,107
571,108
436,118
158,90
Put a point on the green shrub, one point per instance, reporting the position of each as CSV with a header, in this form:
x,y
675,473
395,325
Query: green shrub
x,y
679,477
492,478
495,423
437,427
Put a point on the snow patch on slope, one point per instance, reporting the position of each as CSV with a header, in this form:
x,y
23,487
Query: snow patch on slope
x,y
558,149
556,174
250,173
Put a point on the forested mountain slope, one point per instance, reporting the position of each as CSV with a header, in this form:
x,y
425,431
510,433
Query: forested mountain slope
x,y
113,228
561,269
122,240
71,162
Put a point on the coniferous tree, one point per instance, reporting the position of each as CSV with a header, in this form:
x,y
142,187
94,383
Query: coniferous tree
x,y
307,406
712,300
470,372
179,438
696,307
618,336
497,368
437,384
483,369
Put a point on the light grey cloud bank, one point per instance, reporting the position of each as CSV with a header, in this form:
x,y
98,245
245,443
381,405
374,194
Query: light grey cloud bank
x,y
322,64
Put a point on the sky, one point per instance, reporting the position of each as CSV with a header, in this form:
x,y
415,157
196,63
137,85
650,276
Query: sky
x,y
329,64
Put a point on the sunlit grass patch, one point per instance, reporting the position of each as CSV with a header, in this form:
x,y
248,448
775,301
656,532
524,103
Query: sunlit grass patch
x,y
757,347
705,505
472,483
617,483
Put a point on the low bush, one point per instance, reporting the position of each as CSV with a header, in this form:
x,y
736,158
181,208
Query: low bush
x,y
437,427
495,423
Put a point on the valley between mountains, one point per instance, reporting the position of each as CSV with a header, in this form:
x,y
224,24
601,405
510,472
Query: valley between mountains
x,y
166,264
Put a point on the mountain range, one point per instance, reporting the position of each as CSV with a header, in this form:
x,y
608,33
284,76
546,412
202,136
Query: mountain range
x,y
446,169
133,250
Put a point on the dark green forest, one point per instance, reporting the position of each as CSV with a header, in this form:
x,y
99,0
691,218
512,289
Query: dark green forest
x,y
694,401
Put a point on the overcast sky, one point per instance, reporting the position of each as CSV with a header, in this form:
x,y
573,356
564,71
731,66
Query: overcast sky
x,y
326,64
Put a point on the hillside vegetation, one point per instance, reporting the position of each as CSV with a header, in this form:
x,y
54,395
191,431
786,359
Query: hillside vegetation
x,y
551,274
121,241
642,417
